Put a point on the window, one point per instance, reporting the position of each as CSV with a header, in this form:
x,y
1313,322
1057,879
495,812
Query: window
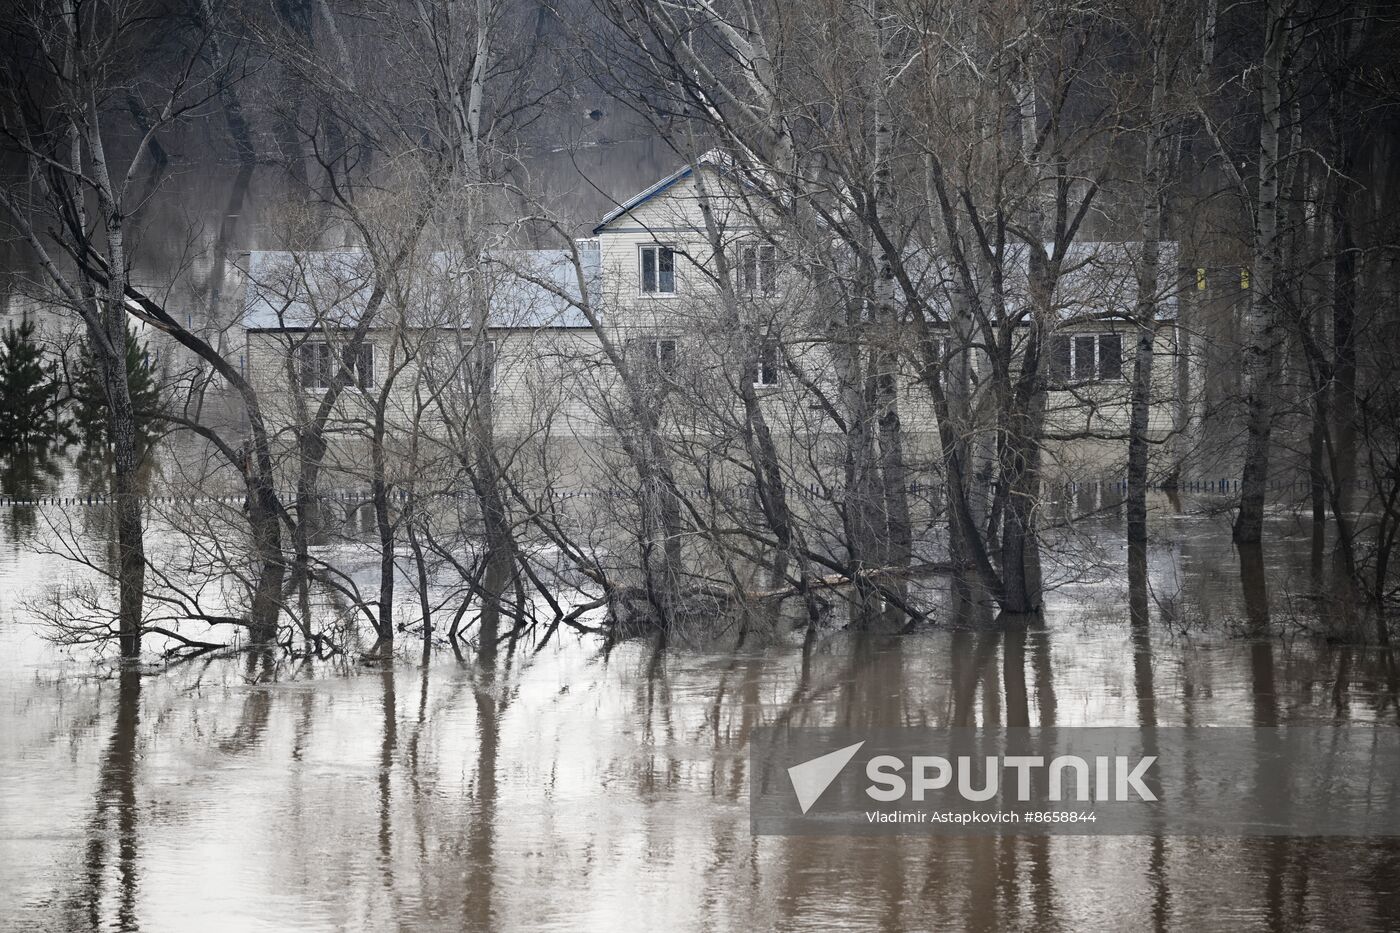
x,y
319,364
364,368
941,348
1110,356
315,361
1061,356
758,269
658,270
766,375
660,356
1085,358
484,367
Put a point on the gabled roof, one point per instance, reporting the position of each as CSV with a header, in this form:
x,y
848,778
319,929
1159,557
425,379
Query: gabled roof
x,y
714,158
329,289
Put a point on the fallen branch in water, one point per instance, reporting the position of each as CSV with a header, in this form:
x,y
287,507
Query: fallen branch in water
x,y
838,580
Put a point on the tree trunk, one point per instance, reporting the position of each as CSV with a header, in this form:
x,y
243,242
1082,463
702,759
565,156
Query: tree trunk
x,y
1021,453
264,518
108,338
379,485
860,497
897,532
131,554
1261,355
425,607
1153,222
1343,394
1137,435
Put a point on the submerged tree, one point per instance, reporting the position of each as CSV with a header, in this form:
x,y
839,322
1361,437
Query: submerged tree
x,y
92,407
30,399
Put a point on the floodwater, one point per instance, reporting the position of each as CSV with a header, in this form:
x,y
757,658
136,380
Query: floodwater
x,y
573,789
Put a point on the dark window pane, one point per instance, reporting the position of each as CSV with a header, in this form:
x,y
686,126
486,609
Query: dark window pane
x,y
315,365
749,269
768,269
665,270
306,361
364,368
1110,356
666,356
768,364
1084,357
1059,360
648,269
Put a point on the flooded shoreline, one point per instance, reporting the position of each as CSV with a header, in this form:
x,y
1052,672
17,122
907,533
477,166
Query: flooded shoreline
x,y
584,787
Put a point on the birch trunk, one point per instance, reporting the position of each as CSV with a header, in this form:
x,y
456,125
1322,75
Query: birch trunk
x,y
108,339
1153,222
1261,352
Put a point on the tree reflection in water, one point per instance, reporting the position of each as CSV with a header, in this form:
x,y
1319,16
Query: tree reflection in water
x,y
449,795
110,881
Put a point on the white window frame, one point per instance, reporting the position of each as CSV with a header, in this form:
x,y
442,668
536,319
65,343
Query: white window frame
x,y
940,348
1077,366
1099,357
768,359
359,382
493,360
329,363
1090,371
656,249
655,359
314,375
763,286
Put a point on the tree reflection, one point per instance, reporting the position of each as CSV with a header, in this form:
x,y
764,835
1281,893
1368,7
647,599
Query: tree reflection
x,y
29,475
1145,686
388,742
114,819
478,908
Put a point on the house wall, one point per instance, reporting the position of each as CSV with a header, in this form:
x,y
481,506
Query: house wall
x,y
1087,424
545,387
555,382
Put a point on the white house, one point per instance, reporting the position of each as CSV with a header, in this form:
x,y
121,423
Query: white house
x,y
651,280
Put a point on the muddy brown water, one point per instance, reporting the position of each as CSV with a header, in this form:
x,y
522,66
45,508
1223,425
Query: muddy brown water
x,y
574,789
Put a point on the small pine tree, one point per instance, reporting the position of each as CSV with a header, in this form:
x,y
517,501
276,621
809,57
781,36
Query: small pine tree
x,y
29,392
90,397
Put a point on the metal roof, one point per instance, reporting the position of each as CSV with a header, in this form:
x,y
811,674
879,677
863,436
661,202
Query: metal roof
x,y
713,157
527,289
1099,281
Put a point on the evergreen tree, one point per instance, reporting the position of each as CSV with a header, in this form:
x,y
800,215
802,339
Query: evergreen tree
x,y
29,392
90,397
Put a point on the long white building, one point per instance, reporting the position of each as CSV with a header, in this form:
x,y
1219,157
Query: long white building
x,y
647,286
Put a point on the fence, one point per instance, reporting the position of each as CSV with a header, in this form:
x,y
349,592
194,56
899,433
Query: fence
x,y
811,491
